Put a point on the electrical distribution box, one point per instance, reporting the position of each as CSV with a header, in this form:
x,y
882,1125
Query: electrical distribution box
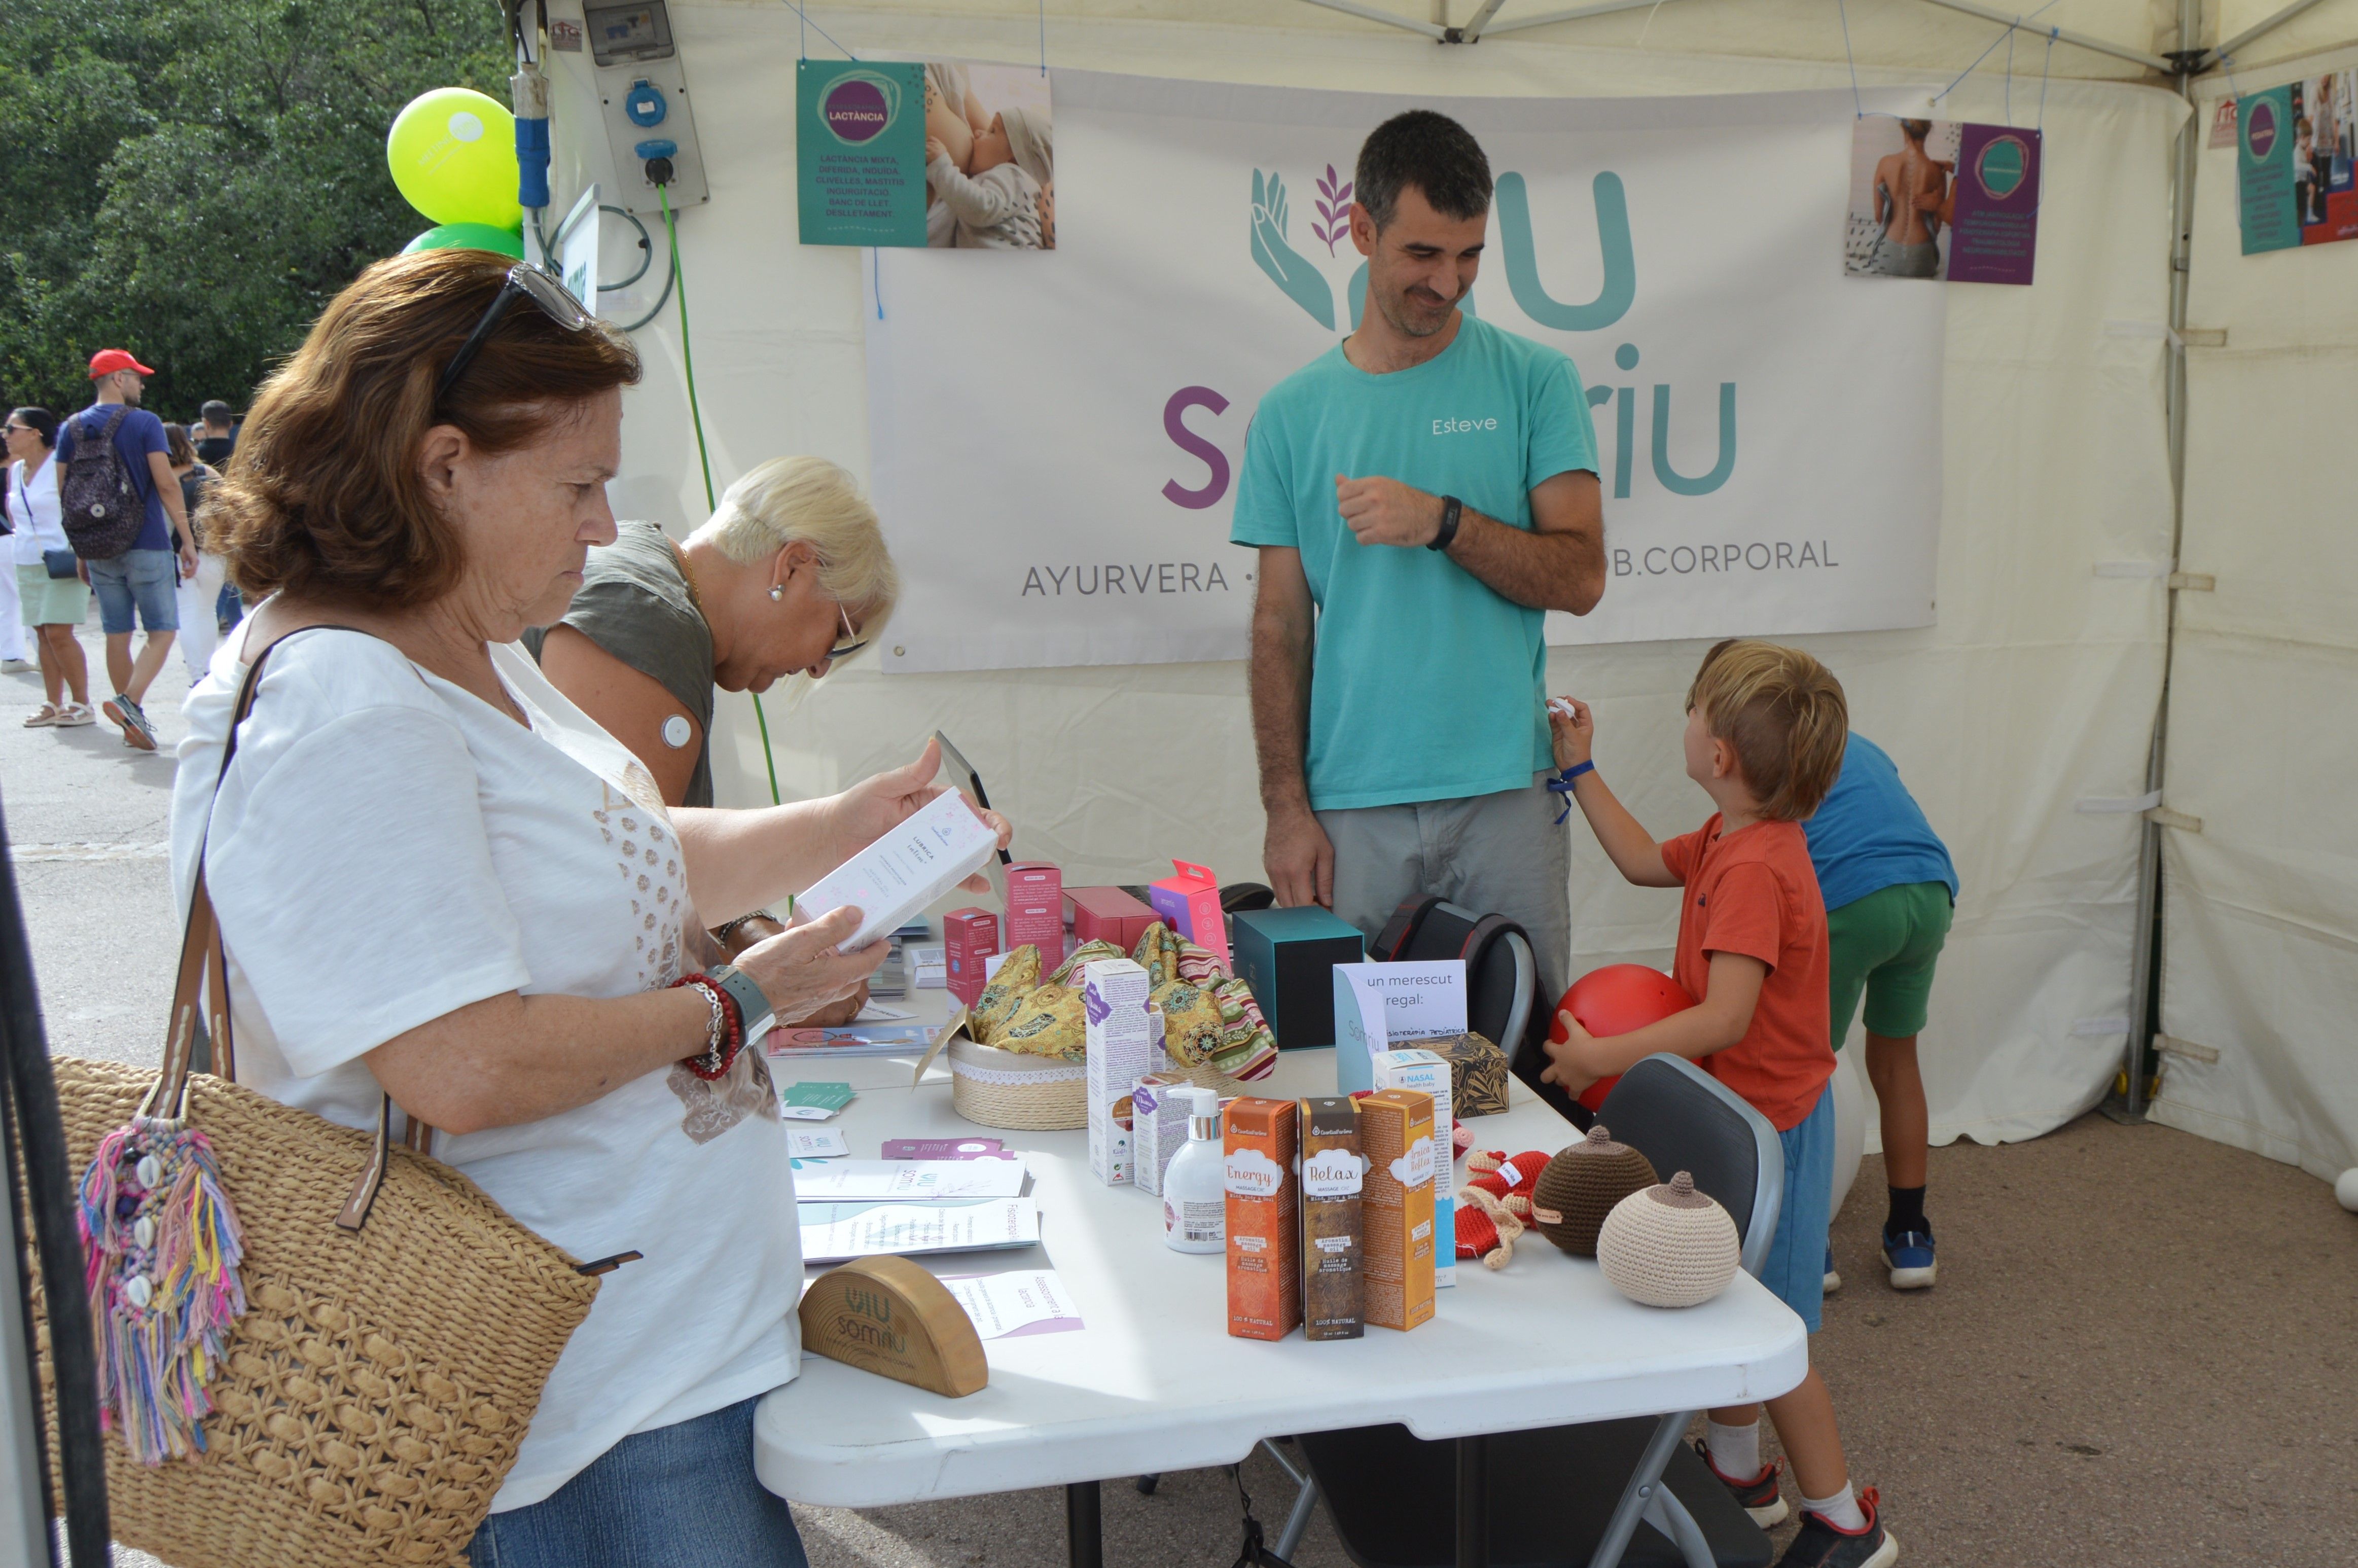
x,y
643,96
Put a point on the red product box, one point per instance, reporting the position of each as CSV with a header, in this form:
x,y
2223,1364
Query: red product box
x,y
1035,909
1108,915
969,937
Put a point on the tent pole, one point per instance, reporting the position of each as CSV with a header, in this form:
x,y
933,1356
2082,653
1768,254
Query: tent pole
x,y
2260,29
2060,35
1369,14
2145,975
1577,13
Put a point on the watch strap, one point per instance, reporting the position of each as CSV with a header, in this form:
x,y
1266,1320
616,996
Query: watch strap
x,y
754,1013
1452,512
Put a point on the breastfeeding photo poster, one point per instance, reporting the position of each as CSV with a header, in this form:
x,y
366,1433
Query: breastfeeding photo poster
x,y
1946,199
2293,163
925,154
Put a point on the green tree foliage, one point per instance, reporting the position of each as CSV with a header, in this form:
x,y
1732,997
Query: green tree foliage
x,y
193,180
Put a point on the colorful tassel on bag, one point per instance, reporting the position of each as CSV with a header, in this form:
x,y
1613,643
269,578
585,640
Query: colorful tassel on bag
x,y
161,1247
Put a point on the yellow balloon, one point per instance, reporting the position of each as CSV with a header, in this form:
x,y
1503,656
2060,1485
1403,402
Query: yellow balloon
x,y
452,152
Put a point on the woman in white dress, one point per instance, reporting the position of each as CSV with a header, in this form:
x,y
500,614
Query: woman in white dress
x,y
51,606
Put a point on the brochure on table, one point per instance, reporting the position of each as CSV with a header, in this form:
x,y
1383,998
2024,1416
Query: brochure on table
x,y
837,1232
1378,1006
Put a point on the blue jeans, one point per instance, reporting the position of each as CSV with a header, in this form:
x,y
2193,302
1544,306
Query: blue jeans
x,y
1796,1270
144,579
678,1497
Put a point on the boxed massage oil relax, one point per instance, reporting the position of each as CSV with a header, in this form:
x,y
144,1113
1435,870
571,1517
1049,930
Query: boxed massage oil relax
x,y
1332,1288
1261,1146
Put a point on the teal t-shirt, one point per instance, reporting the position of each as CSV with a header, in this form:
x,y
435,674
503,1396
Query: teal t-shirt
x,y
1427,686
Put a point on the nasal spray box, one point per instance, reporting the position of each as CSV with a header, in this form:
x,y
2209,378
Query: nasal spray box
x,y
1396,1205
1427,1072
893,881
1333,1289
1121,1050
1260,1139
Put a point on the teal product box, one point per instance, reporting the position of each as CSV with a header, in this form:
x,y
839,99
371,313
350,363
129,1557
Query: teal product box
x,y
1287,955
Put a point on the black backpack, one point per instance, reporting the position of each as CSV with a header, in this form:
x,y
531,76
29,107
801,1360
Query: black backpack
x,y
102,505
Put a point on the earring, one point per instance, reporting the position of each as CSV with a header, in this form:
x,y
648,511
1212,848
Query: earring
x,y
777,592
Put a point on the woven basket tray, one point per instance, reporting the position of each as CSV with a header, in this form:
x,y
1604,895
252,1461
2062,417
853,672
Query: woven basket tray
x,y
1011,1089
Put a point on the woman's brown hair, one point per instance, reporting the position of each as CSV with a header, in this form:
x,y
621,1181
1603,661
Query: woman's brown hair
x,y
1785,715
323,497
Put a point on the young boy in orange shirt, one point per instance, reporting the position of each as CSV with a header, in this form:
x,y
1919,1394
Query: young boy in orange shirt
x,y
1766,727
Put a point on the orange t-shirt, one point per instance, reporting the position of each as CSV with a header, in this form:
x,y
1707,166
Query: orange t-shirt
x,y
1755,893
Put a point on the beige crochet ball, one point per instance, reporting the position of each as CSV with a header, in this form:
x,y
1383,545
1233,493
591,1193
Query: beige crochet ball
x,y
1669,1246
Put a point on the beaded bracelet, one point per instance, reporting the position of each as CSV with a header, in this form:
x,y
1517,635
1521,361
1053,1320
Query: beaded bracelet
x,y
727,1035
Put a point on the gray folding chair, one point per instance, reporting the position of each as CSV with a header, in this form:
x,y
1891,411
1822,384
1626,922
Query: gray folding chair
x,y
1552,1501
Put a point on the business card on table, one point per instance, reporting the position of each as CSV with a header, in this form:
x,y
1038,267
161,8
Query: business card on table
x,y
945,1149
817,1143
814,1102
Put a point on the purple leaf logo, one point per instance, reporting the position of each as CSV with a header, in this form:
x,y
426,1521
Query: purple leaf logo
x,y
1095,1004
1333,209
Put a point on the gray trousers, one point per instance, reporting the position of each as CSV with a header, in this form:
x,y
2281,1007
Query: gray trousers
x,y
1494,854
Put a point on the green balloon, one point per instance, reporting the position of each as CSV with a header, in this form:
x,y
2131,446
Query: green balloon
x,y
452,152
468,237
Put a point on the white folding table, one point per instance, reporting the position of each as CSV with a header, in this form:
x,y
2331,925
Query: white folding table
x,y
1154,1382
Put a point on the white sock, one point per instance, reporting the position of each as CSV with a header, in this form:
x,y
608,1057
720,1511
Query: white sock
x,y
1736,1450
1841,1510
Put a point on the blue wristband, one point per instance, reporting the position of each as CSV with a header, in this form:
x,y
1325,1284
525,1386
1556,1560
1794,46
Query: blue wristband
x,y
1563,784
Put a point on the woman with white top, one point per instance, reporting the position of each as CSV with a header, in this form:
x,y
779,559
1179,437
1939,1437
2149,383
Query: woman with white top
x,y
51,605
438,881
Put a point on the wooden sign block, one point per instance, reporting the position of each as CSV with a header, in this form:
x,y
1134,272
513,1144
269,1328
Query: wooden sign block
x,y
887,1316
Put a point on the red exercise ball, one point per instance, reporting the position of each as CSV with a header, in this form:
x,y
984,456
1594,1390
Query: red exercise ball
x,y
1616,999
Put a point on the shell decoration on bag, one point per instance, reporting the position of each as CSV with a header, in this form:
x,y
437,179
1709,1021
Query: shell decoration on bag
x,y
1669,1246
161,1248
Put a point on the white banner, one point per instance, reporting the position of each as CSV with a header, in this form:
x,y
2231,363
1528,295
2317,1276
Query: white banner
x,y
1056,438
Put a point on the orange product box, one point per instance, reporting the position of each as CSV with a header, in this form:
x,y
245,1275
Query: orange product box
x,y
1396,1206
1260,1140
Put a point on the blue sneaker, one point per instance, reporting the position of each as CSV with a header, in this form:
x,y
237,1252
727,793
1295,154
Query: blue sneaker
x,y
1833,1279
1910,1257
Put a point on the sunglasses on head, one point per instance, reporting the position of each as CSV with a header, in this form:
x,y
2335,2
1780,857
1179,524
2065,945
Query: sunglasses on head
x,y
524,281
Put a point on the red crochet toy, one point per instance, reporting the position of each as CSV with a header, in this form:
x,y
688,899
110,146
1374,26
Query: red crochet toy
x,y
1495,1204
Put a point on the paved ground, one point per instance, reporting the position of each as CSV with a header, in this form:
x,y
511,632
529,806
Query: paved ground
x,y
2141,1352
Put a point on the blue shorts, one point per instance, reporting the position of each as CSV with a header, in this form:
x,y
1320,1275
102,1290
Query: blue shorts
x,y
140,579
1796,1268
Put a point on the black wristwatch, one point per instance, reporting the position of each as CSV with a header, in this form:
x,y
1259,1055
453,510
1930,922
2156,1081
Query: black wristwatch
x,y
1451,508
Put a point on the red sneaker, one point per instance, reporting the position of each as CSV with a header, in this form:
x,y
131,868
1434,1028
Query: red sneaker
x,y
1824,1544
1758,1497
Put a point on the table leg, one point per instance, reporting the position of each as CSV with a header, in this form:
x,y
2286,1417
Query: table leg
x,y
1084,1533
1474,1502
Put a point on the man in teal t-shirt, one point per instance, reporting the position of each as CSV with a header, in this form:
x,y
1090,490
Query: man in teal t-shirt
x,y
1429,486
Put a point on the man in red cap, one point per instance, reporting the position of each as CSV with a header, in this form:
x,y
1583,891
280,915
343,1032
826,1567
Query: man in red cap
x,y
140,582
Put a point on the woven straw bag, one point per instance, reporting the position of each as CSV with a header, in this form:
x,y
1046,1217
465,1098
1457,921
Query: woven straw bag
x,y
399,1324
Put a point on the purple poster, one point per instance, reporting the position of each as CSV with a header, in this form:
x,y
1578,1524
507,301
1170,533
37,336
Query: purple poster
x,y
1943,199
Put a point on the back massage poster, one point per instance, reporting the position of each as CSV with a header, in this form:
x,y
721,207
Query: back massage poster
x,y
1056,436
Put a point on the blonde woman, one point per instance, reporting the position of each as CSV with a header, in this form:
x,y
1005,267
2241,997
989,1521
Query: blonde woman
x,y
790,576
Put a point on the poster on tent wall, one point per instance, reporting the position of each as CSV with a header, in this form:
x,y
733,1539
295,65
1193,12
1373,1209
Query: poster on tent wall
x,y
1943,198
1055,440
2295,147
935,154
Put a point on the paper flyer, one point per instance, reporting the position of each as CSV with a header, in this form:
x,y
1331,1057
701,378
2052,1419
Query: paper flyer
x,y
1946,199
838,1232
1024,1302
907,1181
2294,150
932,153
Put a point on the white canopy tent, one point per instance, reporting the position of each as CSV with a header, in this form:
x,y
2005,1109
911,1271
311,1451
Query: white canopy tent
x,y
2025,720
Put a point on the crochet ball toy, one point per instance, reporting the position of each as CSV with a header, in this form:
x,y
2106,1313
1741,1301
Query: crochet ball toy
x,y
1613,1000
1669,1246
1581,1185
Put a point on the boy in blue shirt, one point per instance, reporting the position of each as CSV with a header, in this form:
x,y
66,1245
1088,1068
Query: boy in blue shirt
x,y
1889,890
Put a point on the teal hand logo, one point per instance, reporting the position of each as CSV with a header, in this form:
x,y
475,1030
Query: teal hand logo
x,y
1620,286
1286,267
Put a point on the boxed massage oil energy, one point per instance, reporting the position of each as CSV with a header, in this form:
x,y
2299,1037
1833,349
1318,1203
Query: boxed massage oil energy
x,y
1260,1145
1332,1287
1396,1135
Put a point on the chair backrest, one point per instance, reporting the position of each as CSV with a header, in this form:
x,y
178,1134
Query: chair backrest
x,y
1682,1119
1502,978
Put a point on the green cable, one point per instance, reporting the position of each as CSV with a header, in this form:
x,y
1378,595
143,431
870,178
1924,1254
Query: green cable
x,y
687,360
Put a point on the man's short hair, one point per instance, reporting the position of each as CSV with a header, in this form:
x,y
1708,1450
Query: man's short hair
x,y
1427,150
214,412
1786,716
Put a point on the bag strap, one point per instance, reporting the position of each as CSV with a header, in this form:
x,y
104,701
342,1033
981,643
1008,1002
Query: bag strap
x,y
204,967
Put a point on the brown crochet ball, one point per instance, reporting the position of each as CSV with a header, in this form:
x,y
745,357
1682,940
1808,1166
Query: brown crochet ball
x,y
1581,1185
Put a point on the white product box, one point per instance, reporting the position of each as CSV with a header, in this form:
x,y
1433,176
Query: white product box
x,y
1121,1050
1428,1073
894,879
1158,1127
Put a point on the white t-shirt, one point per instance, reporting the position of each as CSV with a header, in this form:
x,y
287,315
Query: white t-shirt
x,y
388,848
34,511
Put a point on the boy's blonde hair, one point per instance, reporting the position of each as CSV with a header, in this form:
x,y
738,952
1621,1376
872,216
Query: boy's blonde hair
x,y
1785,715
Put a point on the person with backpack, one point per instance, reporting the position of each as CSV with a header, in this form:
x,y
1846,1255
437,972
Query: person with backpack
x,y
199,596
124,517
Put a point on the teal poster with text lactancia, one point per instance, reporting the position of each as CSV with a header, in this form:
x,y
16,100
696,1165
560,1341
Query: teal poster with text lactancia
x,y
859,153
2263,170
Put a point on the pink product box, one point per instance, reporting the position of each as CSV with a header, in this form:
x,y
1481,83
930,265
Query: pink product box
x,y
968,937
1035,909
1190,900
